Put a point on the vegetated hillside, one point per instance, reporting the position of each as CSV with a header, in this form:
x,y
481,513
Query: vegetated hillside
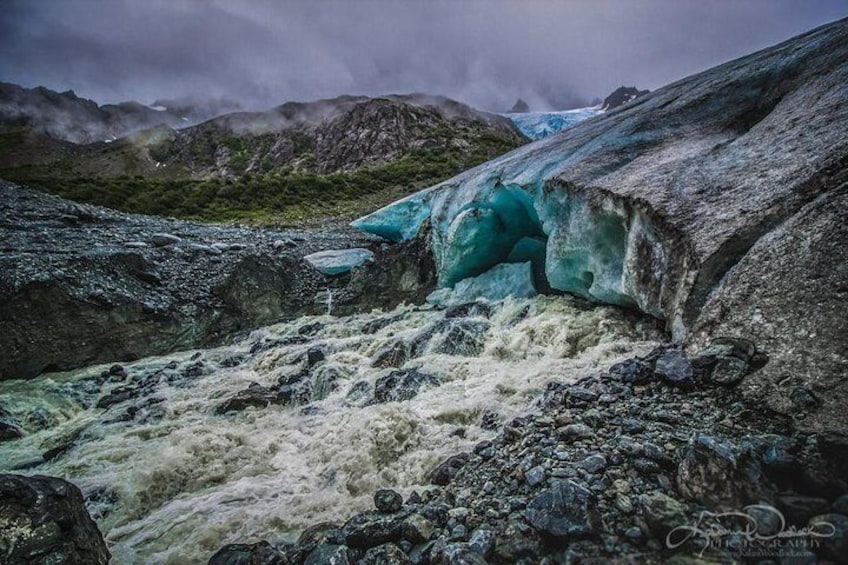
x,y
296,162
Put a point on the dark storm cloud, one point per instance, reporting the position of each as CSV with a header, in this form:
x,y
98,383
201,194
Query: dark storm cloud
x,y
483,52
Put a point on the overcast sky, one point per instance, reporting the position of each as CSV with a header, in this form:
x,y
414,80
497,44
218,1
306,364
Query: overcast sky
x,y
486,53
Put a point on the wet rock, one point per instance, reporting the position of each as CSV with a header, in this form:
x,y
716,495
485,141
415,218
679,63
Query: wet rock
x,y
233,361
370,530
261,553
726,361
388,501
393,354
469,310
446,470
566,510
662,513
330,554
402,384
675,369
315,355
417,529
9,432
117,373
490,420
720,476
255,395
118,395
461,336
386,554
632,371
461,554
45,521
164,239
310,329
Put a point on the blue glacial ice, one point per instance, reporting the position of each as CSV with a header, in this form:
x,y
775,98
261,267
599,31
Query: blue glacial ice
x,y
337,261
499,282
517,209
538,125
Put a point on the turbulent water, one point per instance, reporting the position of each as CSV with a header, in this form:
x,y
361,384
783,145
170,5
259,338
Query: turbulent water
x,y
170,480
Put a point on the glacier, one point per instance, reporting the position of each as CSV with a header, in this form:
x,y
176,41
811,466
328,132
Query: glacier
x,y
507,280
538,125
338,261
515,209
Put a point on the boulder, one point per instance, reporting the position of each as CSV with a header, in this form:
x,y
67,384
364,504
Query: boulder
x,y
721,476
260,553
45,521
564,511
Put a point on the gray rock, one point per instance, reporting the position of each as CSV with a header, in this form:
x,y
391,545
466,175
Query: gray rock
x,y
662,513
535,476
566,510
164,239
45,521
446,470
388,501
400,385
720,476
330,554
576,431
675,369
9,432
593,464
386,554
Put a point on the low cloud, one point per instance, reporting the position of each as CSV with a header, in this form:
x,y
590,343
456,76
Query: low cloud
x,y
487,53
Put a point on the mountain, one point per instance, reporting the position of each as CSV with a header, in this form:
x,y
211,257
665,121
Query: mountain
x,y
296,159
520,106
67,117
622,95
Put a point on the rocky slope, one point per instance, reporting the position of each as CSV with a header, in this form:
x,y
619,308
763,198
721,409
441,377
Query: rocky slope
x,y
695,203
82,285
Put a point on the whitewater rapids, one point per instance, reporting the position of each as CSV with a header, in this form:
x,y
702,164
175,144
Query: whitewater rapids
x,y
178,480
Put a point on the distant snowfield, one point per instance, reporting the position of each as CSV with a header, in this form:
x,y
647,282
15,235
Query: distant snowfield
x,y
538,125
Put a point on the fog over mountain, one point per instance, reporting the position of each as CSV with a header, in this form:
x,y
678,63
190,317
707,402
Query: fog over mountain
x,y
261,53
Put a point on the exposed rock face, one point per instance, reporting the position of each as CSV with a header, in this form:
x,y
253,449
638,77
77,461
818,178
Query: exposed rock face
x,y
622,95
519,107
652,206
44,520
82,285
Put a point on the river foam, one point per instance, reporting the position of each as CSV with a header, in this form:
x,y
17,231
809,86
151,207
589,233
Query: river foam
x,y
177,480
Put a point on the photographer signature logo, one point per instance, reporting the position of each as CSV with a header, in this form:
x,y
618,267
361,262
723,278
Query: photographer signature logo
x,y
758,529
